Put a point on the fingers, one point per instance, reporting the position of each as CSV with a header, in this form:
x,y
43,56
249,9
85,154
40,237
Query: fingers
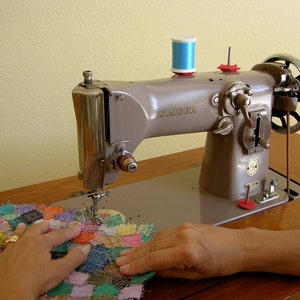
x,y
37,228
75,257
13,238
20,230
32,251
160,253
158,260
57,237
167,251
161,240
61,268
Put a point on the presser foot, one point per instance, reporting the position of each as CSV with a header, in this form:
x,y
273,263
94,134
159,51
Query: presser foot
x,y
94,208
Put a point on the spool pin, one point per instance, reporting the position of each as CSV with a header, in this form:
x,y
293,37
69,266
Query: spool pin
x,y
228,67
246,203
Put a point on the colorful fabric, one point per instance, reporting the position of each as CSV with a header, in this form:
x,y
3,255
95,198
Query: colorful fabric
x,y
3,237
98,277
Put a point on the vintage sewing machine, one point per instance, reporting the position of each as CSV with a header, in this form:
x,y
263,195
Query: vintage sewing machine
x,y
237,110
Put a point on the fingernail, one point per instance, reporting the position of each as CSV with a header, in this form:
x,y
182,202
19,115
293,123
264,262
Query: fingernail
x,y
125,252
74,224
120,260
21,225
86,249
124,269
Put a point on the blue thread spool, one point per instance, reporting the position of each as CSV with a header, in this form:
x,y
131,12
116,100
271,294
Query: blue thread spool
x,y
183,55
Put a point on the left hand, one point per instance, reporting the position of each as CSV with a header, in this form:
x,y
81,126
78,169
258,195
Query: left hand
x,y
27,267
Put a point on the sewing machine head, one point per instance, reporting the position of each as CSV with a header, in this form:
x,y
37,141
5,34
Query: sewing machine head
x,y
234,108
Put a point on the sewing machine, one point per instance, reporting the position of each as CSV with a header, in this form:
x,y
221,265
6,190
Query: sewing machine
x,y
236,108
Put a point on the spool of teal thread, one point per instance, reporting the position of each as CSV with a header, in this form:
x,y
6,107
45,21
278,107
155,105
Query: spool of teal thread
x,y
183,55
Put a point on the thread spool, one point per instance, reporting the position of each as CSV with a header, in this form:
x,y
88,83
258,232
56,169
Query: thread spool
x,y
183,55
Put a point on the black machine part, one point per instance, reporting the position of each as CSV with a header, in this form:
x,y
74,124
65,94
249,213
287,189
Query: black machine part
x,y
286,72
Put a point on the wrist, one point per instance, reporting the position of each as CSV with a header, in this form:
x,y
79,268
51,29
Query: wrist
x,y
271,251
251,244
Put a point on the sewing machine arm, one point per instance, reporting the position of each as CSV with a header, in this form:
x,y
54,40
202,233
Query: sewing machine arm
x,y
234,108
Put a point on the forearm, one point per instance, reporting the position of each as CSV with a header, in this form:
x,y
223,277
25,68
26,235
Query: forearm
x,y
272,251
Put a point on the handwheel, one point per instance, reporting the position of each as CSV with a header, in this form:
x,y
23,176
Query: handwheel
x,y
287,62
281,117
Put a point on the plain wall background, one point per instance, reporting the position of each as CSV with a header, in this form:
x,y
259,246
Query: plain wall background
x,y
45,46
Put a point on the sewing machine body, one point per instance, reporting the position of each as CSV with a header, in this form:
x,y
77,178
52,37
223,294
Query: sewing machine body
x,y
128,113
234,108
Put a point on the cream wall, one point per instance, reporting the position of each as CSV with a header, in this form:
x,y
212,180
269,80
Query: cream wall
x,y
45,46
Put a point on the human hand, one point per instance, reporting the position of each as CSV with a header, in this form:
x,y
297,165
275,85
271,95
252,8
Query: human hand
x,y
26,265
190,251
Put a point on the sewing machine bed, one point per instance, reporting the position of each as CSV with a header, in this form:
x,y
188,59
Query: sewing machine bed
x,y
170,200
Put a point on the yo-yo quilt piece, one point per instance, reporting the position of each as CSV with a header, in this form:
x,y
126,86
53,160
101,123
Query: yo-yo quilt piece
x,y
98,277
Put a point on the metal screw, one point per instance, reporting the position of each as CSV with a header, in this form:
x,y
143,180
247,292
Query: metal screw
x,y
216,100
120,97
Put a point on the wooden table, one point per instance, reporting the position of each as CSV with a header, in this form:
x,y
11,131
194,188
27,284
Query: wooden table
x,y
239,286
